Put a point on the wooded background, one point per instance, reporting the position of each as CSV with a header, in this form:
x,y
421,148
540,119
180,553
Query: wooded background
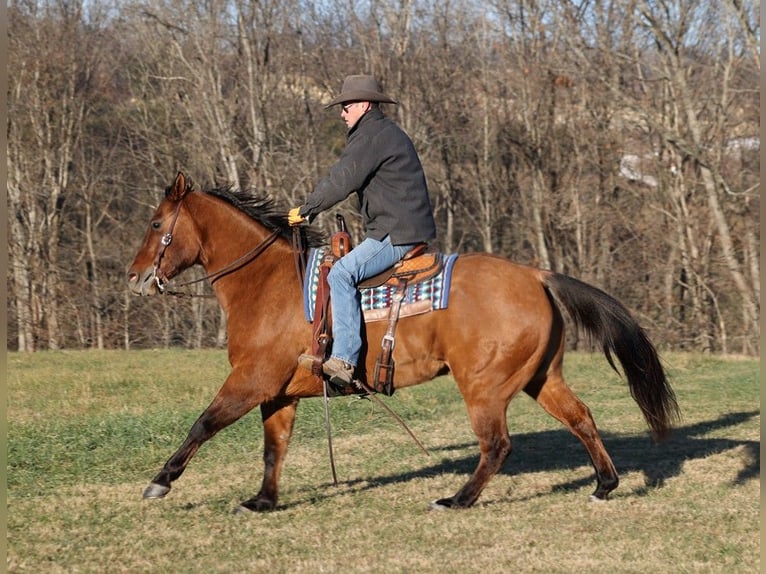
x,y
616,141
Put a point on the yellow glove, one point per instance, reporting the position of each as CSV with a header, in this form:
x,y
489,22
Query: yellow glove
x,y
295,218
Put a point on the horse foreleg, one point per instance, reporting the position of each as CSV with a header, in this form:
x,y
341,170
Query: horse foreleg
x,y
558,400
233,401
488,422
278,419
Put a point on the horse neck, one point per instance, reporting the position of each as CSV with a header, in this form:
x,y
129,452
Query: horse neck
x,y
226,235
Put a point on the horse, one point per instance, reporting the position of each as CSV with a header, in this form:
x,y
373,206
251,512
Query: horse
x,y
493,346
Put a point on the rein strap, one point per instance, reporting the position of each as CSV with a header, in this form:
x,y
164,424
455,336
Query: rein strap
x,y
236,264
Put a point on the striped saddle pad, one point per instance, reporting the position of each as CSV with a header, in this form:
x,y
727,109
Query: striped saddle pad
x,y
429,295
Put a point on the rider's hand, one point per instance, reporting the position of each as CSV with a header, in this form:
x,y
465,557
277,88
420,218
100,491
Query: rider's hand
x,y
294,217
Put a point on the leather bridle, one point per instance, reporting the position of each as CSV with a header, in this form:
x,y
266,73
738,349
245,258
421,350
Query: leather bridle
x,y
165,241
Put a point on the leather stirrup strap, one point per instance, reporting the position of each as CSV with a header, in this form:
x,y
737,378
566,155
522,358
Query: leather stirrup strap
x,y
383,377
322,327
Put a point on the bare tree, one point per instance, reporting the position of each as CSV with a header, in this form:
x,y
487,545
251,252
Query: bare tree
x,y
697,112
54,59
675,72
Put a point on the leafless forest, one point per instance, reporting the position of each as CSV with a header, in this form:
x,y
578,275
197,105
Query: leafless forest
x,y
616,141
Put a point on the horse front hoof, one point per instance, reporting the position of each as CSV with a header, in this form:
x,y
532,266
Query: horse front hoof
x,y
597,499
155,490
441,504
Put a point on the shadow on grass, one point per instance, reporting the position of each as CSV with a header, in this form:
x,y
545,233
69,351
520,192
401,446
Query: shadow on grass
x,y
558,450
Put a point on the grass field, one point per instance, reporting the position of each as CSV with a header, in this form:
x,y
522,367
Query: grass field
x,y
88,430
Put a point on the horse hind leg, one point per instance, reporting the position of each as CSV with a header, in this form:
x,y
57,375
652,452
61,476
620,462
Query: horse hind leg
x,y
489,425
558,400
278,420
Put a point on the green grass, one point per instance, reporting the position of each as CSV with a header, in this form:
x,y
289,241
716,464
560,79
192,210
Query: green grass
x,y
88,430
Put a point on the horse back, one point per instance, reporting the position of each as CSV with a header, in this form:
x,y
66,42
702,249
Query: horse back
x,y
486,280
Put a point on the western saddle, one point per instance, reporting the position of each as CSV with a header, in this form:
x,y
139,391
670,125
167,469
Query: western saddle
x,y
419,264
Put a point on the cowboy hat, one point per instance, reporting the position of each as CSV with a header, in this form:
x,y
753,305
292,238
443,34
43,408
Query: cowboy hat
x,y
360,88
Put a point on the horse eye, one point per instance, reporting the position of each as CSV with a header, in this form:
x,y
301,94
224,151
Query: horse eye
x,y
156,225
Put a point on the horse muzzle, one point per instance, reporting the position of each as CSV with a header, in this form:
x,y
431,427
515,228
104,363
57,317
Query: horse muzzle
x,y
146,283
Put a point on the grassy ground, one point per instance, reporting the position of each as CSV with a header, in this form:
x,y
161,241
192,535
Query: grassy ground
x,y
87,431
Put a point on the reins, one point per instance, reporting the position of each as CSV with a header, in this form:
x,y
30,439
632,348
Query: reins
x,y
373,395
237,263
299,254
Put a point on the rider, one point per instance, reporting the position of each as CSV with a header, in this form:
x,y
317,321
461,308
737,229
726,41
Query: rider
x,y
381,165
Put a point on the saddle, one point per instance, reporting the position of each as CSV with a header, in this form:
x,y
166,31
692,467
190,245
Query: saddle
x,y
418,264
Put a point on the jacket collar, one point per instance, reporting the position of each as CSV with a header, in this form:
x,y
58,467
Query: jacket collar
x,y
371,115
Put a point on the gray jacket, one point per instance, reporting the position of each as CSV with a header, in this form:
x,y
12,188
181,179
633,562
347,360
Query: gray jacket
x,y
381,165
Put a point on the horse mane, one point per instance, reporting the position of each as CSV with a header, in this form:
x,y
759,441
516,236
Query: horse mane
x,y
264,209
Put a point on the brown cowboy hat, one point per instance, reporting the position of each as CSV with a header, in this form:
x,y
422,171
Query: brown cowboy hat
x,y
360,88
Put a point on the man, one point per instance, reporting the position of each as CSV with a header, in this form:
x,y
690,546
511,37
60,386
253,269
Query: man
x,y
380,165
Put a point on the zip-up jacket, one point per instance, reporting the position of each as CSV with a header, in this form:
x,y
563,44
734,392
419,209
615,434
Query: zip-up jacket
x,y
381,165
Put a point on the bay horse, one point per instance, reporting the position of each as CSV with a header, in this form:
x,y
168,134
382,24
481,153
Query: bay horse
x,y
492,345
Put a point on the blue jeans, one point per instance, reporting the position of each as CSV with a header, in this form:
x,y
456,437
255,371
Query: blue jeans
x,y
365,260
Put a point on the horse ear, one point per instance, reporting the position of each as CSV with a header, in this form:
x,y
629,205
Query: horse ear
x,y
181,186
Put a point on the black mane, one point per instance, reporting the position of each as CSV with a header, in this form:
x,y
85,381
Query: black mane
x,y
265,210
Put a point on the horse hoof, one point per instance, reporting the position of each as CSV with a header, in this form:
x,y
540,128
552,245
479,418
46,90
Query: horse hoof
x,y
441,504
155,490
255,505
596,499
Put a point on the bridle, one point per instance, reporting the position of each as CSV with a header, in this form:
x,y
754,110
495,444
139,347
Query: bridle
x,y
167,239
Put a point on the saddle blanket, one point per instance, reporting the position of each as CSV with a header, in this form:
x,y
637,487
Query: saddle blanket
x,y
377,299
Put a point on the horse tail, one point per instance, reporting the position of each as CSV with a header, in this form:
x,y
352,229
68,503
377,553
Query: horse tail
x,y
609,323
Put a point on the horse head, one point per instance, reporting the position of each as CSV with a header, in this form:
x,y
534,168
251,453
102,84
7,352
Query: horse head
x,y
168,247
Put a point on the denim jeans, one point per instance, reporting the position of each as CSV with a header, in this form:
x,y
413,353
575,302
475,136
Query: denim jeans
x,y
368,258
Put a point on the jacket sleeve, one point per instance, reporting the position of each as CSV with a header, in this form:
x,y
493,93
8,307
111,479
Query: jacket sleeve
x,y
347,176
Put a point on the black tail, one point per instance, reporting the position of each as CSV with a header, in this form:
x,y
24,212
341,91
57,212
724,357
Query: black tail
x,y
607,321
